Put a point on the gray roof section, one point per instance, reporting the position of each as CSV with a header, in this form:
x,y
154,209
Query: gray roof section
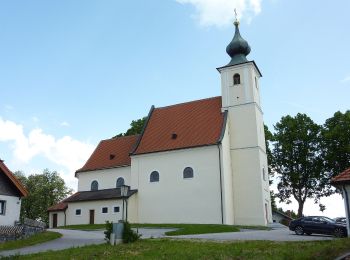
x,y
106,194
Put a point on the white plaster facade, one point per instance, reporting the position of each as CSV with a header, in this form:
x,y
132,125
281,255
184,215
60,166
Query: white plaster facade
x,y
346,196
86,206
251,195
106,178
174,199
61,218
12,210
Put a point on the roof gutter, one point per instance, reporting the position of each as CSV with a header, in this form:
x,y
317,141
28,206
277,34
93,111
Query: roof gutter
x,y
143,131
222,204
221,137
223,127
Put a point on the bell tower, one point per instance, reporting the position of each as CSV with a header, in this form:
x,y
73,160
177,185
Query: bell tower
x,y
240,90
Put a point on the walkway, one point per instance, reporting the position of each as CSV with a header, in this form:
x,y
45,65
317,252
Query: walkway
x,y
276,234
70,238
77,238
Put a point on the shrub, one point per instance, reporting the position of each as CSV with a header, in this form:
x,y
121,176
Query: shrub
x,y
129,235
285,222
109,230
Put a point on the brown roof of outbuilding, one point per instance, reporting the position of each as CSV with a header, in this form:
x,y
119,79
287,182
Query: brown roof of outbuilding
x,y
192,124
22,190
343,177
97,195
111,153
61,206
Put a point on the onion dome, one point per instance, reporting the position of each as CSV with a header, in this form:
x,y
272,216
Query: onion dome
x,y
238,48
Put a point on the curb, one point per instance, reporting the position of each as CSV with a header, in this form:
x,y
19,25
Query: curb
x,y
343,257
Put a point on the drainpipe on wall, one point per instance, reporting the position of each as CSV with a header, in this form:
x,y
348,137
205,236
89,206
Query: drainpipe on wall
x,y
222,206
347,209
65,217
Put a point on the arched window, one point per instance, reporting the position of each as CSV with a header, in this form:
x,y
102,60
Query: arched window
x,y
120,182
154,177
94,185
188,173
236,79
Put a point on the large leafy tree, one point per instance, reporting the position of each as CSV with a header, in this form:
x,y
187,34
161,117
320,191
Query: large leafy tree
x,y
297,161
336,143
268,142
136,127
44,190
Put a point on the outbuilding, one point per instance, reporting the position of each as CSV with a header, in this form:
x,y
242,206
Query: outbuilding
x,y
11,193
342,182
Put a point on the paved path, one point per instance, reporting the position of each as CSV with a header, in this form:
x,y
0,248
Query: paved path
x,y
153,232
77,238
70,238
277,234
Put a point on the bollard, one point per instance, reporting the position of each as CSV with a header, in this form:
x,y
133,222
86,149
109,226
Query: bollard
x,y
118,229
112,239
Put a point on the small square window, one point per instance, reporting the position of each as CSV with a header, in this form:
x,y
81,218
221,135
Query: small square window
x,y
78,212
2,207
104,210
116,209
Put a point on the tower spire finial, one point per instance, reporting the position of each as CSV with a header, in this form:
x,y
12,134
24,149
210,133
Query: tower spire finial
x,y
236,22
238,48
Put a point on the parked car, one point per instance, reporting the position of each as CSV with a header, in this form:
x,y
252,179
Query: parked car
x,y
318,225
340,220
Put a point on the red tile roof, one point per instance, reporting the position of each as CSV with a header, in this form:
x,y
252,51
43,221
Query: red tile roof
x,y
191,124
61,206
3,169
342,177
185,125
111,153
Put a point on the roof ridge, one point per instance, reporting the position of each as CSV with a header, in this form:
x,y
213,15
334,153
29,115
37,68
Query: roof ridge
x,y
187,102
119,137
15,181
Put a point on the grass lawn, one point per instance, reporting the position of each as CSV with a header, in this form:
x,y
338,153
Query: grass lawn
x,y
33,240
189,249
85,227
183,229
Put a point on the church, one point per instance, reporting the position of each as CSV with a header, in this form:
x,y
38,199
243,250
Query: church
x,y
201,162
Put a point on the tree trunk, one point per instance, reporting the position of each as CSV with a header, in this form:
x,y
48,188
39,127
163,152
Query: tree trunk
x,y
300,209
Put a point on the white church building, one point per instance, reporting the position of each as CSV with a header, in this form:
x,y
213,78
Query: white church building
x,y
202,161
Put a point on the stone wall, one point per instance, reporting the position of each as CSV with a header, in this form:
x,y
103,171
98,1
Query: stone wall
x,y
21,230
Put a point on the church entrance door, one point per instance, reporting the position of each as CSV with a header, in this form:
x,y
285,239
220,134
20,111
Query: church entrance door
x,y
54,220
92,216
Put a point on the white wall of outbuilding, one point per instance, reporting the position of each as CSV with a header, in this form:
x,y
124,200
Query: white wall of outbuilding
x,y
12,210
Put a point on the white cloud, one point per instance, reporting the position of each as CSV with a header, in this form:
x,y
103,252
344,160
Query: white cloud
x,y
346,79
65,152
221,12
64,123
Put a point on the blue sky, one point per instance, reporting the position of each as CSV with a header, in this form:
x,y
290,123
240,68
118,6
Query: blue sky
x,y
75,72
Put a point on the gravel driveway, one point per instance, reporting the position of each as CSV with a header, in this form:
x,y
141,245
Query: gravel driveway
x,y
70,238
276,234
77,238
